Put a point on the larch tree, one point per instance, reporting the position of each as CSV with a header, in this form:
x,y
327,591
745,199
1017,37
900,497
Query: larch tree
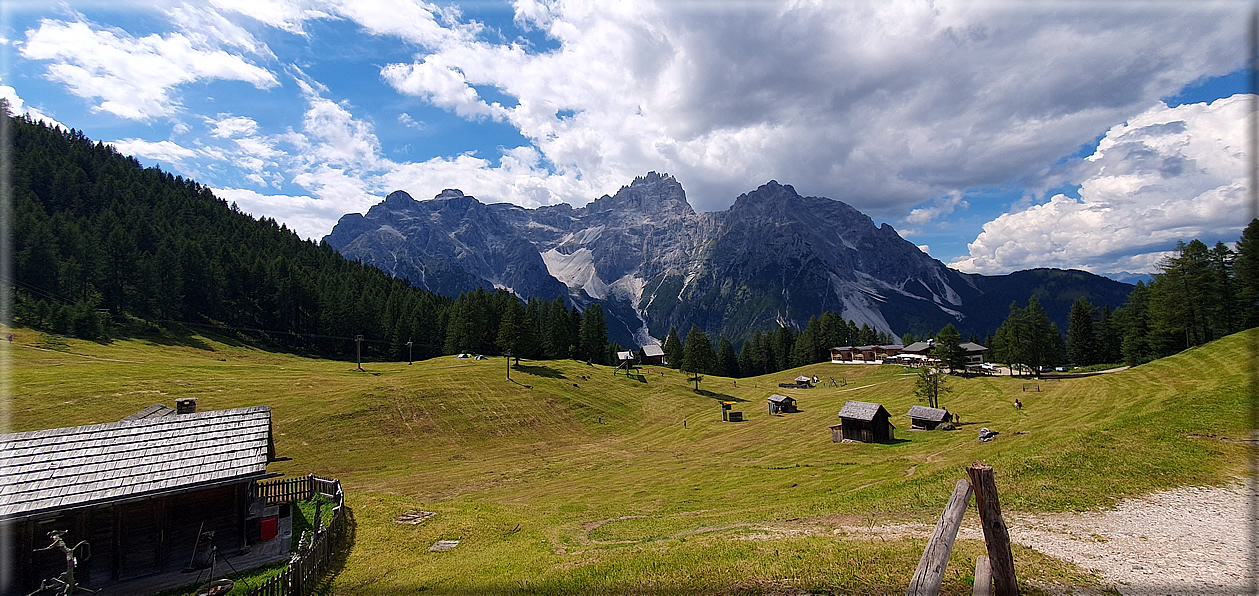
x,y
1081,339
697,356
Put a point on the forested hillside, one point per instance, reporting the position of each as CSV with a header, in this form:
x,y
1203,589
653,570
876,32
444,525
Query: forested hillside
x,y
101,242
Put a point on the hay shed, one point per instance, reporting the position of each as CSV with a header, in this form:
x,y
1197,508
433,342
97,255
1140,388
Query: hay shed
x,y
928,418
779,404
866,422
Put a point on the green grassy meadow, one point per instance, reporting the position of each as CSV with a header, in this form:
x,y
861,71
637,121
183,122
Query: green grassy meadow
x,y
662,497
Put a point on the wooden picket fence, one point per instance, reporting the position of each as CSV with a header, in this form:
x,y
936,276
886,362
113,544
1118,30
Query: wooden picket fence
x,y
307,568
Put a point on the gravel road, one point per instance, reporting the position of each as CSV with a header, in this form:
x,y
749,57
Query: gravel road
x,y
1191,540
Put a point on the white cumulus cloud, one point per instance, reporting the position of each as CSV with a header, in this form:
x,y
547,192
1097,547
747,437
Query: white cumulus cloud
x,y
884,105
167,151
305,215
131,77
18,107
1167,174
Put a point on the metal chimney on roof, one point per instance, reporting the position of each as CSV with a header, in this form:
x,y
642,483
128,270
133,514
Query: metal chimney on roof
x,y
186,406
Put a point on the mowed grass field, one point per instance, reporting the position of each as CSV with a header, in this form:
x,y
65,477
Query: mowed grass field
x,y
569,480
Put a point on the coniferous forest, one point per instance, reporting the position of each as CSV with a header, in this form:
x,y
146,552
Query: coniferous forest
x,y
105,247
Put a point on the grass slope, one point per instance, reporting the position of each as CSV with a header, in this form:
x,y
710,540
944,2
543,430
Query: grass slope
x,y
661,497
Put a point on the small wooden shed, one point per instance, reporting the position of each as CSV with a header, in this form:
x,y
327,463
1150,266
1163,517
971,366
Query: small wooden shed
x,y
865,422
652,354
779,404
928,418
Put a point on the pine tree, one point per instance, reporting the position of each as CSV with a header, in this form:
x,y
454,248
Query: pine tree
x,y
1179,297
594,335
557,340
808,345
1221,307
673,348
1246,274
511,330
784,341
948,348
1136,319
747,359
727,362
697,354
1081,340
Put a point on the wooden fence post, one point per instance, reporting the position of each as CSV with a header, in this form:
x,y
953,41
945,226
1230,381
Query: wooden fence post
x,y
983,577
996,535
930,572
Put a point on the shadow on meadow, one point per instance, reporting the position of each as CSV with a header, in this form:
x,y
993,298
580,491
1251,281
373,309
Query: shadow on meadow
x,y
720,396
539,370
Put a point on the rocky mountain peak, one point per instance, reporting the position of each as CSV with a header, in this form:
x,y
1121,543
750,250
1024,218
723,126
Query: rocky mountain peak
x,y
774,258
653,193
399,198
450,193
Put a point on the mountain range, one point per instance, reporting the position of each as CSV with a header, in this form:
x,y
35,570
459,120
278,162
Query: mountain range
x,y
773,258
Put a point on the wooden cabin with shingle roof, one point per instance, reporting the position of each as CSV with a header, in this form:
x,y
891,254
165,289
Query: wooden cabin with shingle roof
x,y
652,354
140,491
779,404
863,421
928,418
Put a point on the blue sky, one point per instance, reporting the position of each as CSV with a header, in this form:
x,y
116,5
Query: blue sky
x,y
999,137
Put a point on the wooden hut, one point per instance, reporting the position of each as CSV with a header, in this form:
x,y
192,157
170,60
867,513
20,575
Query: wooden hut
x,y
779,404
928,418
652,354
140,491
865,422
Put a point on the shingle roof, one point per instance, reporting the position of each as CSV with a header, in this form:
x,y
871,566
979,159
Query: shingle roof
x,y
928,414
63,467
779,398
917,347
973,347
653,350
153,411
860,410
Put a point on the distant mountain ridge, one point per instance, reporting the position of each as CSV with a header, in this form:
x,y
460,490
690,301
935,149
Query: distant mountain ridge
x,y
773,258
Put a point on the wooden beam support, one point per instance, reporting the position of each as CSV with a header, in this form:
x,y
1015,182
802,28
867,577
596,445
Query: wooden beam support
x,y
930,572
996,535
983,577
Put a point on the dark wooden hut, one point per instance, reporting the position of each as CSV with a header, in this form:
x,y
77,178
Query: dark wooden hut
x,y
779,404
928,418
652,354
140,491
865,422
